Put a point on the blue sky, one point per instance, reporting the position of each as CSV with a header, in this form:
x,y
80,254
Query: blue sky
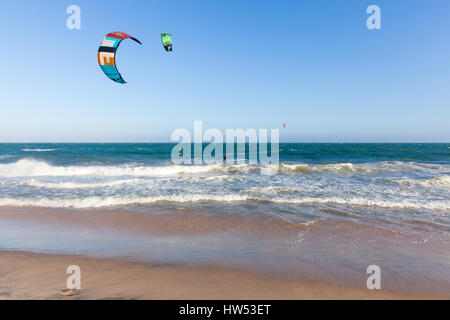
x,y
236,64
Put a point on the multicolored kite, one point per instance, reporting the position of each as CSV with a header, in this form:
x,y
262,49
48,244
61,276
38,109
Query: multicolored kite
x,y
166,39
107,53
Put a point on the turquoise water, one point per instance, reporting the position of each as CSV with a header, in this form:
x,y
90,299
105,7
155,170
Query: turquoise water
x,y
398,183
159,153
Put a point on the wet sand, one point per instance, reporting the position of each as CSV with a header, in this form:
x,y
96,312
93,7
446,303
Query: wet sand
x,y
173,255
42,276
167,223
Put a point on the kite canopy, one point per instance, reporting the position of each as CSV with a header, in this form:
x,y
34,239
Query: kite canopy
x,y
107,53
166,39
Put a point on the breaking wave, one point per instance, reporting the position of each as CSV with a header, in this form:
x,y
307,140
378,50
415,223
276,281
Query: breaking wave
x,y
35,168
87,185
441,181
387,184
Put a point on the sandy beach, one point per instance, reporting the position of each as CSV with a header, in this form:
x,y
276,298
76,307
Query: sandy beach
x,y
39,276
152,268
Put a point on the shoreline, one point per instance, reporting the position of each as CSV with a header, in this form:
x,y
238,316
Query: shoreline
x,y
26,275
196,256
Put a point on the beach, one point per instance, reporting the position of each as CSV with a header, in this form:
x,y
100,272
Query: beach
x,y
140,227
127,255
39,276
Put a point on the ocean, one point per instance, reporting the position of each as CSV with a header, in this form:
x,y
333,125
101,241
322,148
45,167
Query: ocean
x,y
407,181
384,203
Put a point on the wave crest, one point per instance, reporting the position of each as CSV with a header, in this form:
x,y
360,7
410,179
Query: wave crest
x,y
36,168
441,181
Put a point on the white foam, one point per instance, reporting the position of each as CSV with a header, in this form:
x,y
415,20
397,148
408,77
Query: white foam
x,y
369,168
105,201
38,150
441,181
87,185
273,190
394,204
36,168
98,201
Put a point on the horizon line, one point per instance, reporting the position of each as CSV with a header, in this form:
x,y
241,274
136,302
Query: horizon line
x,y
172,142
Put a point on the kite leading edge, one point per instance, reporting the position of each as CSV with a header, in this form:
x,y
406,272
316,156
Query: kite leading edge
x,y
107,53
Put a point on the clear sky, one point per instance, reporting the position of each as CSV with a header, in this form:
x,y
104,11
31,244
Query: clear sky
x,y
236,64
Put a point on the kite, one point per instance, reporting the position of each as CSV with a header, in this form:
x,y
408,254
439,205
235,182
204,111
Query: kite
x,y
166,39
107,54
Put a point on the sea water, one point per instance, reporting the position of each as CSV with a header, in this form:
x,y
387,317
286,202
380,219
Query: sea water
x,y
405,182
